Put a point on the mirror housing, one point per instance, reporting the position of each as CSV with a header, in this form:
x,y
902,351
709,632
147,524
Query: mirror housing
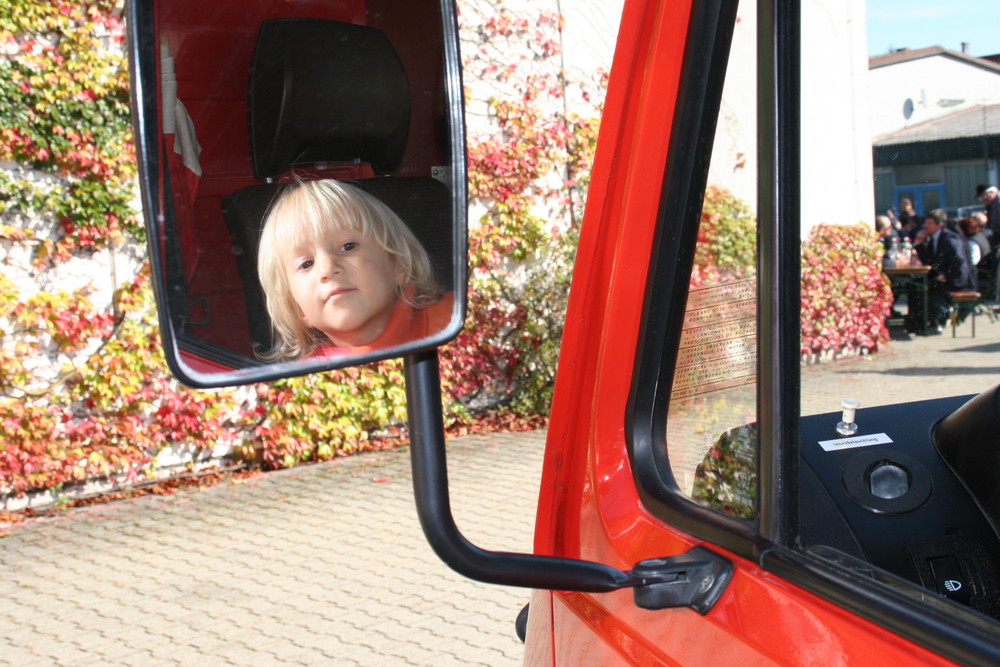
x,y
232,105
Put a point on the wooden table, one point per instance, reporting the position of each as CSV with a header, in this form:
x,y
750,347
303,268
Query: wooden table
x,y
913,281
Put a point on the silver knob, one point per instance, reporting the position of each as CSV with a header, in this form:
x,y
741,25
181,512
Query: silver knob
x,y
847,426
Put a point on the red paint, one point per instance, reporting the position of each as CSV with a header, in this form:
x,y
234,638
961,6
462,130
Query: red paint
x,y
589,507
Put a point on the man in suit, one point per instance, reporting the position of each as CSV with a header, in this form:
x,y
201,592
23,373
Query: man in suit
x,y
944,251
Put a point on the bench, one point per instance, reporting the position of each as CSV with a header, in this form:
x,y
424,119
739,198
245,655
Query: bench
x,y
963,302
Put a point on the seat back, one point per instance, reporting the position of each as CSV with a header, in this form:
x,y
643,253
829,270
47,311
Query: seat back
x,y
326,91
967,441
335,95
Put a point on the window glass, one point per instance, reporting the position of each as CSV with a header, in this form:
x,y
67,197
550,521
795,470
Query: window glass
x,y
895,469
711,439
884,483
861,324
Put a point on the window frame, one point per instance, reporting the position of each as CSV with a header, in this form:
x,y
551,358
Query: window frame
x,y
770,541
671,259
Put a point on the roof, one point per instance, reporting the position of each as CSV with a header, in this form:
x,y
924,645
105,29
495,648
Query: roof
x,y
906,55
971,133
976,121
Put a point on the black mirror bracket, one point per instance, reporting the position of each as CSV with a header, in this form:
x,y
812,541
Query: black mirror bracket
x,y
695,579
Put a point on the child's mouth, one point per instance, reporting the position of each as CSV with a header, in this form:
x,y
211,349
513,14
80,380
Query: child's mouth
x,y
337,293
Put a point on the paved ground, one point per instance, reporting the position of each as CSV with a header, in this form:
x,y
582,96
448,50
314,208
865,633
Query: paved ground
x,y
326,564
913,368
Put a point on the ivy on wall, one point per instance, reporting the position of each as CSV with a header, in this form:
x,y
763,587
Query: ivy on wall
x,y
727,239
845,296
529,176
84,391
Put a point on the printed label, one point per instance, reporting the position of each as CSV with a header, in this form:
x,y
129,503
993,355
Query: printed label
x,y
855,441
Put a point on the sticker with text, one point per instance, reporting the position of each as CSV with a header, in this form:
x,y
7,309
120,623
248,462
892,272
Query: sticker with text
x,y
855,441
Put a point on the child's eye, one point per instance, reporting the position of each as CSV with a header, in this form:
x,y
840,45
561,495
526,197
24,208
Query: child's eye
x,y
349,246
305,264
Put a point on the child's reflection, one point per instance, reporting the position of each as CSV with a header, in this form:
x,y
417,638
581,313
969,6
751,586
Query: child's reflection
x,y
343,274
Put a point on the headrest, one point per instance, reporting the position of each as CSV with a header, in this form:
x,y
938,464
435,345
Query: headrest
x,y
326,91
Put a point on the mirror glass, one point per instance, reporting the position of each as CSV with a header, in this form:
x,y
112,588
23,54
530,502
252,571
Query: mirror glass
x,y
303,181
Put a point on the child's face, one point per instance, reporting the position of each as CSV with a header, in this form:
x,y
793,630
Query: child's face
x,y
345,286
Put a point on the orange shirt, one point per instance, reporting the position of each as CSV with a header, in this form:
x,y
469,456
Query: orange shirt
x,y
405,324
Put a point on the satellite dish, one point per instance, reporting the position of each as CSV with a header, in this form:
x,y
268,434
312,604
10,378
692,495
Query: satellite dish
x,y
907,108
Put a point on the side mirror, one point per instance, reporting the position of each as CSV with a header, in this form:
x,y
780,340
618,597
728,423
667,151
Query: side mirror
x,y
233,110
235,101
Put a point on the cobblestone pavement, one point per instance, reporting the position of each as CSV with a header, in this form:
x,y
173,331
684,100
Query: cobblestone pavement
x,y
913,368
326,564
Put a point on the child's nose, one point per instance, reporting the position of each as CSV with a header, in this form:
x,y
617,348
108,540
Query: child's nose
x,y
328,265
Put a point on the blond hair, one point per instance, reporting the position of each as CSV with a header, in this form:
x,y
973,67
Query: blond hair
x,y
312,210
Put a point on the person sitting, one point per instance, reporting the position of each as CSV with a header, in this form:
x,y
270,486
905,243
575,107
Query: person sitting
x,y
947,255
989,196
979,246
981,218
343,274
908,221
986,268
889,239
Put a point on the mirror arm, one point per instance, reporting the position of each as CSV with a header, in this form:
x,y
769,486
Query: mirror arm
x,y
430,487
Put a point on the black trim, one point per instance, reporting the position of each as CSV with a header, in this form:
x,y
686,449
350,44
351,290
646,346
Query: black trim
x,y
143,53
696,578
216,353
430,491
942,150
175,283
671,259
778,269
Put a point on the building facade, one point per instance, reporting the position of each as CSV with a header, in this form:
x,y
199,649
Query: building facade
x,y
935,118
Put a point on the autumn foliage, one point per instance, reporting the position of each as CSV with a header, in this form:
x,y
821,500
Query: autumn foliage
x,y
727,240
84,391
845,296
529,176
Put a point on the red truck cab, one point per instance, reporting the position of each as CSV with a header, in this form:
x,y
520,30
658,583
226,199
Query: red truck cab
x,y
691,510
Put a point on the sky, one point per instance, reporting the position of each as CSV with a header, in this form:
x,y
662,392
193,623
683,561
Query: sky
x,y
914,24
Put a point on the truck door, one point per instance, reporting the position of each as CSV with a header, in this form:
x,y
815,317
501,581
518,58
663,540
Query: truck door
x,y
682,418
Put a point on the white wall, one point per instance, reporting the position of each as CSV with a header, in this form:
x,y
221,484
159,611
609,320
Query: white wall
x,y
734,156
94,275
837,175
837,178
589,35
937,85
